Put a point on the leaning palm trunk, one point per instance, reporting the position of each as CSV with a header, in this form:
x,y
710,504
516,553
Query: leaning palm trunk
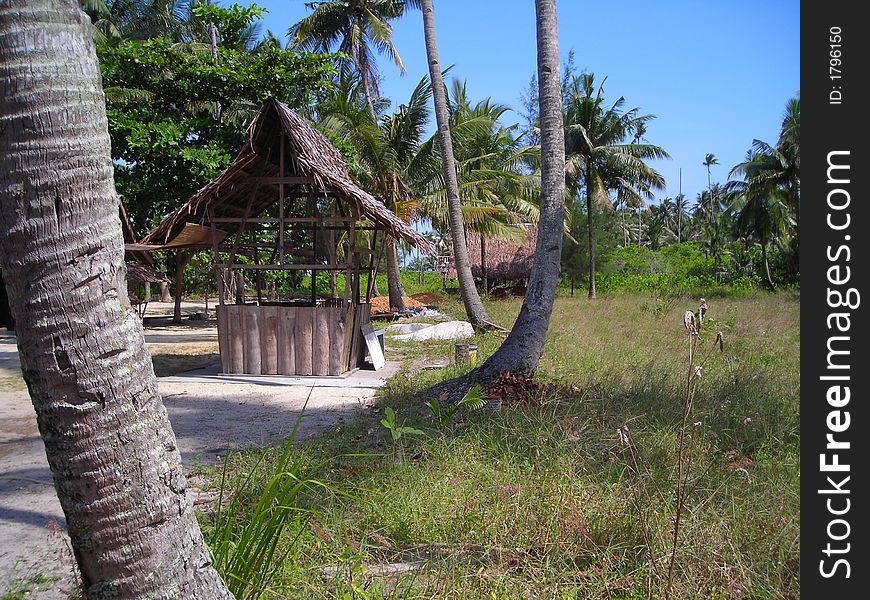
x,y
590,229
470,298
766,264
394,276
523,347
116,465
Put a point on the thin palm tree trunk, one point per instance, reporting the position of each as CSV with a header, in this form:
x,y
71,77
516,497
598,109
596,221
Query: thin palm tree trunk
x,y
590,230
470,298
114,458
394,276
521,351
766,265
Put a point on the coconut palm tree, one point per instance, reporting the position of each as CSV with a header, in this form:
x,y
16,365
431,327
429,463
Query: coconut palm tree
x,y
709,161
470,298
387,159
109,443
764,214
768,168
522,349
359,29
597,151
681,207
145,19
494,193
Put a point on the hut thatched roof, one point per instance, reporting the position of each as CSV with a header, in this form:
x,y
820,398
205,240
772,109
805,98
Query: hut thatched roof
x,y
310,156
505,260
139,274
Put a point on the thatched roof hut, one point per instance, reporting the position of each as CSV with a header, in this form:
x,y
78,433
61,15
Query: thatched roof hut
x,y
502,260
249,184
138,274
287,203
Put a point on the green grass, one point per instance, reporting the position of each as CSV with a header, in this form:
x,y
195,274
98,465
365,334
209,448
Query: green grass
x,y
545,500
21,588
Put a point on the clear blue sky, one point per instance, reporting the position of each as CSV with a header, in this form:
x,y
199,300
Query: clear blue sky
x,y
716,74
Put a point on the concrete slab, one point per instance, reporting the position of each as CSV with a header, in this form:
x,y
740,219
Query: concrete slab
x,y
359,379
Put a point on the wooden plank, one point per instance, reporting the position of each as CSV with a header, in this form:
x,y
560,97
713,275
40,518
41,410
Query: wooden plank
x,y
234,337
336,337
284,267
304,337
223,339
321,343
286,340
269,340
348,323
286,220
253,364
284,180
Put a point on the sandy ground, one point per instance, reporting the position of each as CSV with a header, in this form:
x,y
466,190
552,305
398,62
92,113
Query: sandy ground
x,y
208,414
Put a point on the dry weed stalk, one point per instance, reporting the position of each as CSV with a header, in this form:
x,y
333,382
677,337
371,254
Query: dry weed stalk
x,y
693,324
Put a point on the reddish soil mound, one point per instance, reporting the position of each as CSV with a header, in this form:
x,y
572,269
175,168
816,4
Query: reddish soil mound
x,y
427,298
381,304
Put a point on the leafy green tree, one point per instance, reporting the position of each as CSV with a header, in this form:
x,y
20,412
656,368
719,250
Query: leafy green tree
x,y
160,100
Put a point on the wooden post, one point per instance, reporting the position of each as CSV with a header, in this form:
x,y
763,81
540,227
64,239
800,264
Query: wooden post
x,y
281,205
216,258
181,259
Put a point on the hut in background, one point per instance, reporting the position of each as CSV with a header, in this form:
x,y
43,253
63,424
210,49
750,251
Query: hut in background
x,y
499,263
286,203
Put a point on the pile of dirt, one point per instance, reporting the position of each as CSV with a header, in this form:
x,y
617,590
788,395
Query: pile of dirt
x,y
381,304
428,299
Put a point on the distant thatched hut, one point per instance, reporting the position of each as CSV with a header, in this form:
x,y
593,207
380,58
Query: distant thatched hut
x,y
286,203
497,262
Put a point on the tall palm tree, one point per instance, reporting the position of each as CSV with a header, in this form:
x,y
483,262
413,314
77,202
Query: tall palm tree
x,y
109,443
709,161
598,154
762,213
144,19
681,206
359,29
388,159
522,349
470,298
777,167
494,194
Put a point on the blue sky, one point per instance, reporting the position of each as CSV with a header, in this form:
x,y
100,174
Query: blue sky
x,y
716,74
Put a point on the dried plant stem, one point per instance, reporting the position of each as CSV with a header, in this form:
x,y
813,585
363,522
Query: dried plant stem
x,y
679,488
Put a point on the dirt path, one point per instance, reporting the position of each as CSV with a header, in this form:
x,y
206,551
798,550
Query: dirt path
x,y
207,413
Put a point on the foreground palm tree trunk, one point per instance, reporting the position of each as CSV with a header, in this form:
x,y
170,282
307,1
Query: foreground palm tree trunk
x,y
470,298
523,347
111,449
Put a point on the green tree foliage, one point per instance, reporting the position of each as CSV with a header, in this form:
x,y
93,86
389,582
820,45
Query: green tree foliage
x,y
168,139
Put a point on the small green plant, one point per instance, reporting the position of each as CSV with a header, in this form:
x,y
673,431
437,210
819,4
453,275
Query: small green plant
x,y
473,400
397,431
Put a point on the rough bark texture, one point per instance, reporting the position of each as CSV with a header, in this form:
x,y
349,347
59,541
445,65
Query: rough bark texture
x,y
590,229
470,298
522,349
107,437
394,276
